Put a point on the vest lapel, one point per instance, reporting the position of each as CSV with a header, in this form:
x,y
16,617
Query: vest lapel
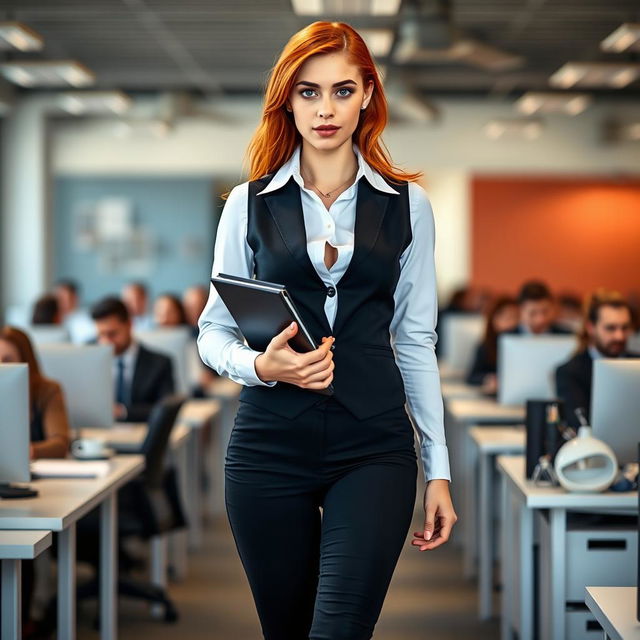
x,y
285,207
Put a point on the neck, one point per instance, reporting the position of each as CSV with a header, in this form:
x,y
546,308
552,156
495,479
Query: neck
x,y
328,169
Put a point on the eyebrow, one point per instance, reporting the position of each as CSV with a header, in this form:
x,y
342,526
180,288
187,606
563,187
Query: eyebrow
x,y
317,86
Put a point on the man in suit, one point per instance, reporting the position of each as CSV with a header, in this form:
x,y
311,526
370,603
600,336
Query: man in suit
x,y
141,376
537,310
607,327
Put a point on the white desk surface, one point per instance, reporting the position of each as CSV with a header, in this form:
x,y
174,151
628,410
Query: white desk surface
x,y
23,545
615,610
223,387
491,439
455,389
62,501
473,410
134,433
514,468
197,413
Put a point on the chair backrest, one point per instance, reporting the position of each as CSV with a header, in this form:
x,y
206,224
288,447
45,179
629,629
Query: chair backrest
x,y
161,420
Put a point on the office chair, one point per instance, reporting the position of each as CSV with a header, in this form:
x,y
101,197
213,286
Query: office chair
x,y
148,506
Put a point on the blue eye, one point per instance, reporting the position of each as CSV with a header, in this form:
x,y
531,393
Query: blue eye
x,y
350,91
304,91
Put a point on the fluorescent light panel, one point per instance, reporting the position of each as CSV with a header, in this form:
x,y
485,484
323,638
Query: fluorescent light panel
x,y
540,102
47,73
528,128
81,102
625,38
595,74
379,41
346,7
15,35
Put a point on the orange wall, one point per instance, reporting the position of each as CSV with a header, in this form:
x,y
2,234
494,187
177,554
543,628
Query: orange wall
x,y
577,234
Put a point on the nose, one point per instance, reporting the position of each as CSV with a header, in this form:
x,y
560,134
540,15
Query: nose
x,y
325,109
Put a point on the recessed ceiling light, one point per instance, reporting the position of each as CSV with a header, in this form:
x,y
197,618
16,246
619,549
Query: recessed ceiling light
x,y
625,38
47,73
595,74
346,7
80,102
528,128
541,102
379,41
15,35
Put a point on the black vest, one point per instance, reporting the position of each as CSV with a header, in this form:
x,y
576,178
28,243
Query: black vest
x,y
366,378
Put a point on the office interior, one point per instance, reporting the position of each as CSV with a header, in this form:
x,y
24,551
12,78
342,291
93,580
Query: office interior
x,y
121,126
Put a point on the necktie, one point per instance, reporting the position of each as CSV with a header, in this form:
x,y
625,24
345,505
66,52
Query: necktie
x,y
120,384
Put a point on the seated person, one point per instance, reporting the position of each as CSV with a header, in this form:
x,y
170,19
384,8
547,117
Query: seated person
x,y
537,310
607,327
46,310
72,315
194,300
141,376
49,422
503,316
136,297
168,311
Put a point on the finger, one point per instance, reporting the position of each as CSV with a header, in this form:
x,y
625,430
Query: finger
x,y
317,354
319,376
429,521
321,385
280,339
323,368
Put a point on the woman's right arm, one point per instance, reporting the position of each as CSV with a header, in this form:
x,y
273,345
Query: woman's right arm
x,y
220,342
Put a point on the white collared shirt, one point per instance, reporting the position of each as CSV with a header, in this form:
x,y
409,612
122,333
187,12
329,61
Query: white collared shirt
x,y
412,328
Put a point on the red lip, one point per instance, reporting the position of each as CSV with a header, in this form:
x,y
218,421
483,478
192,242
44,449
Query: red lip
x,y
325,127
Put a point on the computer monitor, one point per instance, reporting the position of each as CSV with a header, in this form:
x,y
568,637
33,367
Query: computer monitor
x,y
174,342
14,423
615,405
527,364
461,334
48,334
86,375
633,343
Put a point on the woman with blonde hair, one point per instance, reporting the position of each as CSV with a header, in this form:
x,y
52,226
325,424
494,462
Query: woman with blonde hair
x,y
320,489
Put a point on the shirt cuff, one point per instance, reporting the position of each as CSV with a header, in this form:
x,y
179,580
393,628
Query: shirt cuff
x,y
246,368
435,461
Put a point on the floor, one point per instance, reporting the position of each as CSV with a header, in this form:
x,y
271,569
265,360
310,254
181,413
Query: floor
x,y
427,598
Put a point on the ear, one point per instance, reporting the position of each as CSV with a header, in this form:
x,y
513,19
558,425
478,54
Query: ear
x,y
368,93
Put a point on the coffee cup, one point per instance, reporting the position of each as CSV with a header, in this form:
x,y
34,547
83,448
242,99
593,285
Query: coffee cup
x,y
88,448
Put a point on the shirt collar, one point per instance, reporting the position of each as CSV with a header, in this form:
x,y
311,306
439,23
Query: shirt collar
x,y
129,356
291,168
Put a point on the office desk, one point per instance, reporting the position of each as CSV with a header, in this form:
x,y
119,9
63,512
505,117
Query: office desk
x,y
453,389
459,416
16,546
615,610
490,443
520,498
181,441
227,393
199,415
59,505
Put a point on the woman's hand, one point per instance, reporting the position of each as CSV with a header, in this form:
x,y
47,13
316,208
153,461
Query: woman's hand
x,y
311,370
439,516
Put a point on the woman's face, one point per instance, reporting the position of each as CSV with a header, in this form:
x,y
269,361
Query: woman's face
x,y
328,91
9,353
507,318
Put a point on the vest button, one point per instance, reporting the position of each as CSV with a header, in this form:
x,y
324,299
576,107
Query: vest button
x,y
331,291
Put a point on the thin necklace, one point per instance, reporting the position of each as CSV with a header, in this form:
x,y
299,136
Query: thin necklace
x,y
328,194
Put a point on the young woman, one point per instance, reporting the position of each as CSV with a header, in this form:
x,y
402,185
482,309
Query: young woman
x,y
320,490
49,421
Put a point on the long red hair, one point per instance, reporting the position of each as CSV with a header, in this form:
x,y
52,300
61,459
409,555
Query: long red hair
x,y
276,137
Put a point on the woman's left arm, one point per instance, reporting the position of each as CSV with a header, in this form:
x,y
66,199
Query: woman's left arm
x,y
414,337
55,425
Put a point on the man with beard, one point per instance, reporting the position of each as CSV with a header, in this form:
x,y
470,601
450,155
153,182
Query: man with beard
x,y
608,324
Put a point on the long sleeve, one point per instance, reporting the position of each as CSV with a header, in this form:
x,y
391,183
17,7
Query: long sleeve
x,y
220,342
55,424
414,337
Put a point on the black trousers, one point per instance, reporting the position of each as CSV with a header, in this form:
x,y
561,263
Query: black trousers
x,y
320,575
